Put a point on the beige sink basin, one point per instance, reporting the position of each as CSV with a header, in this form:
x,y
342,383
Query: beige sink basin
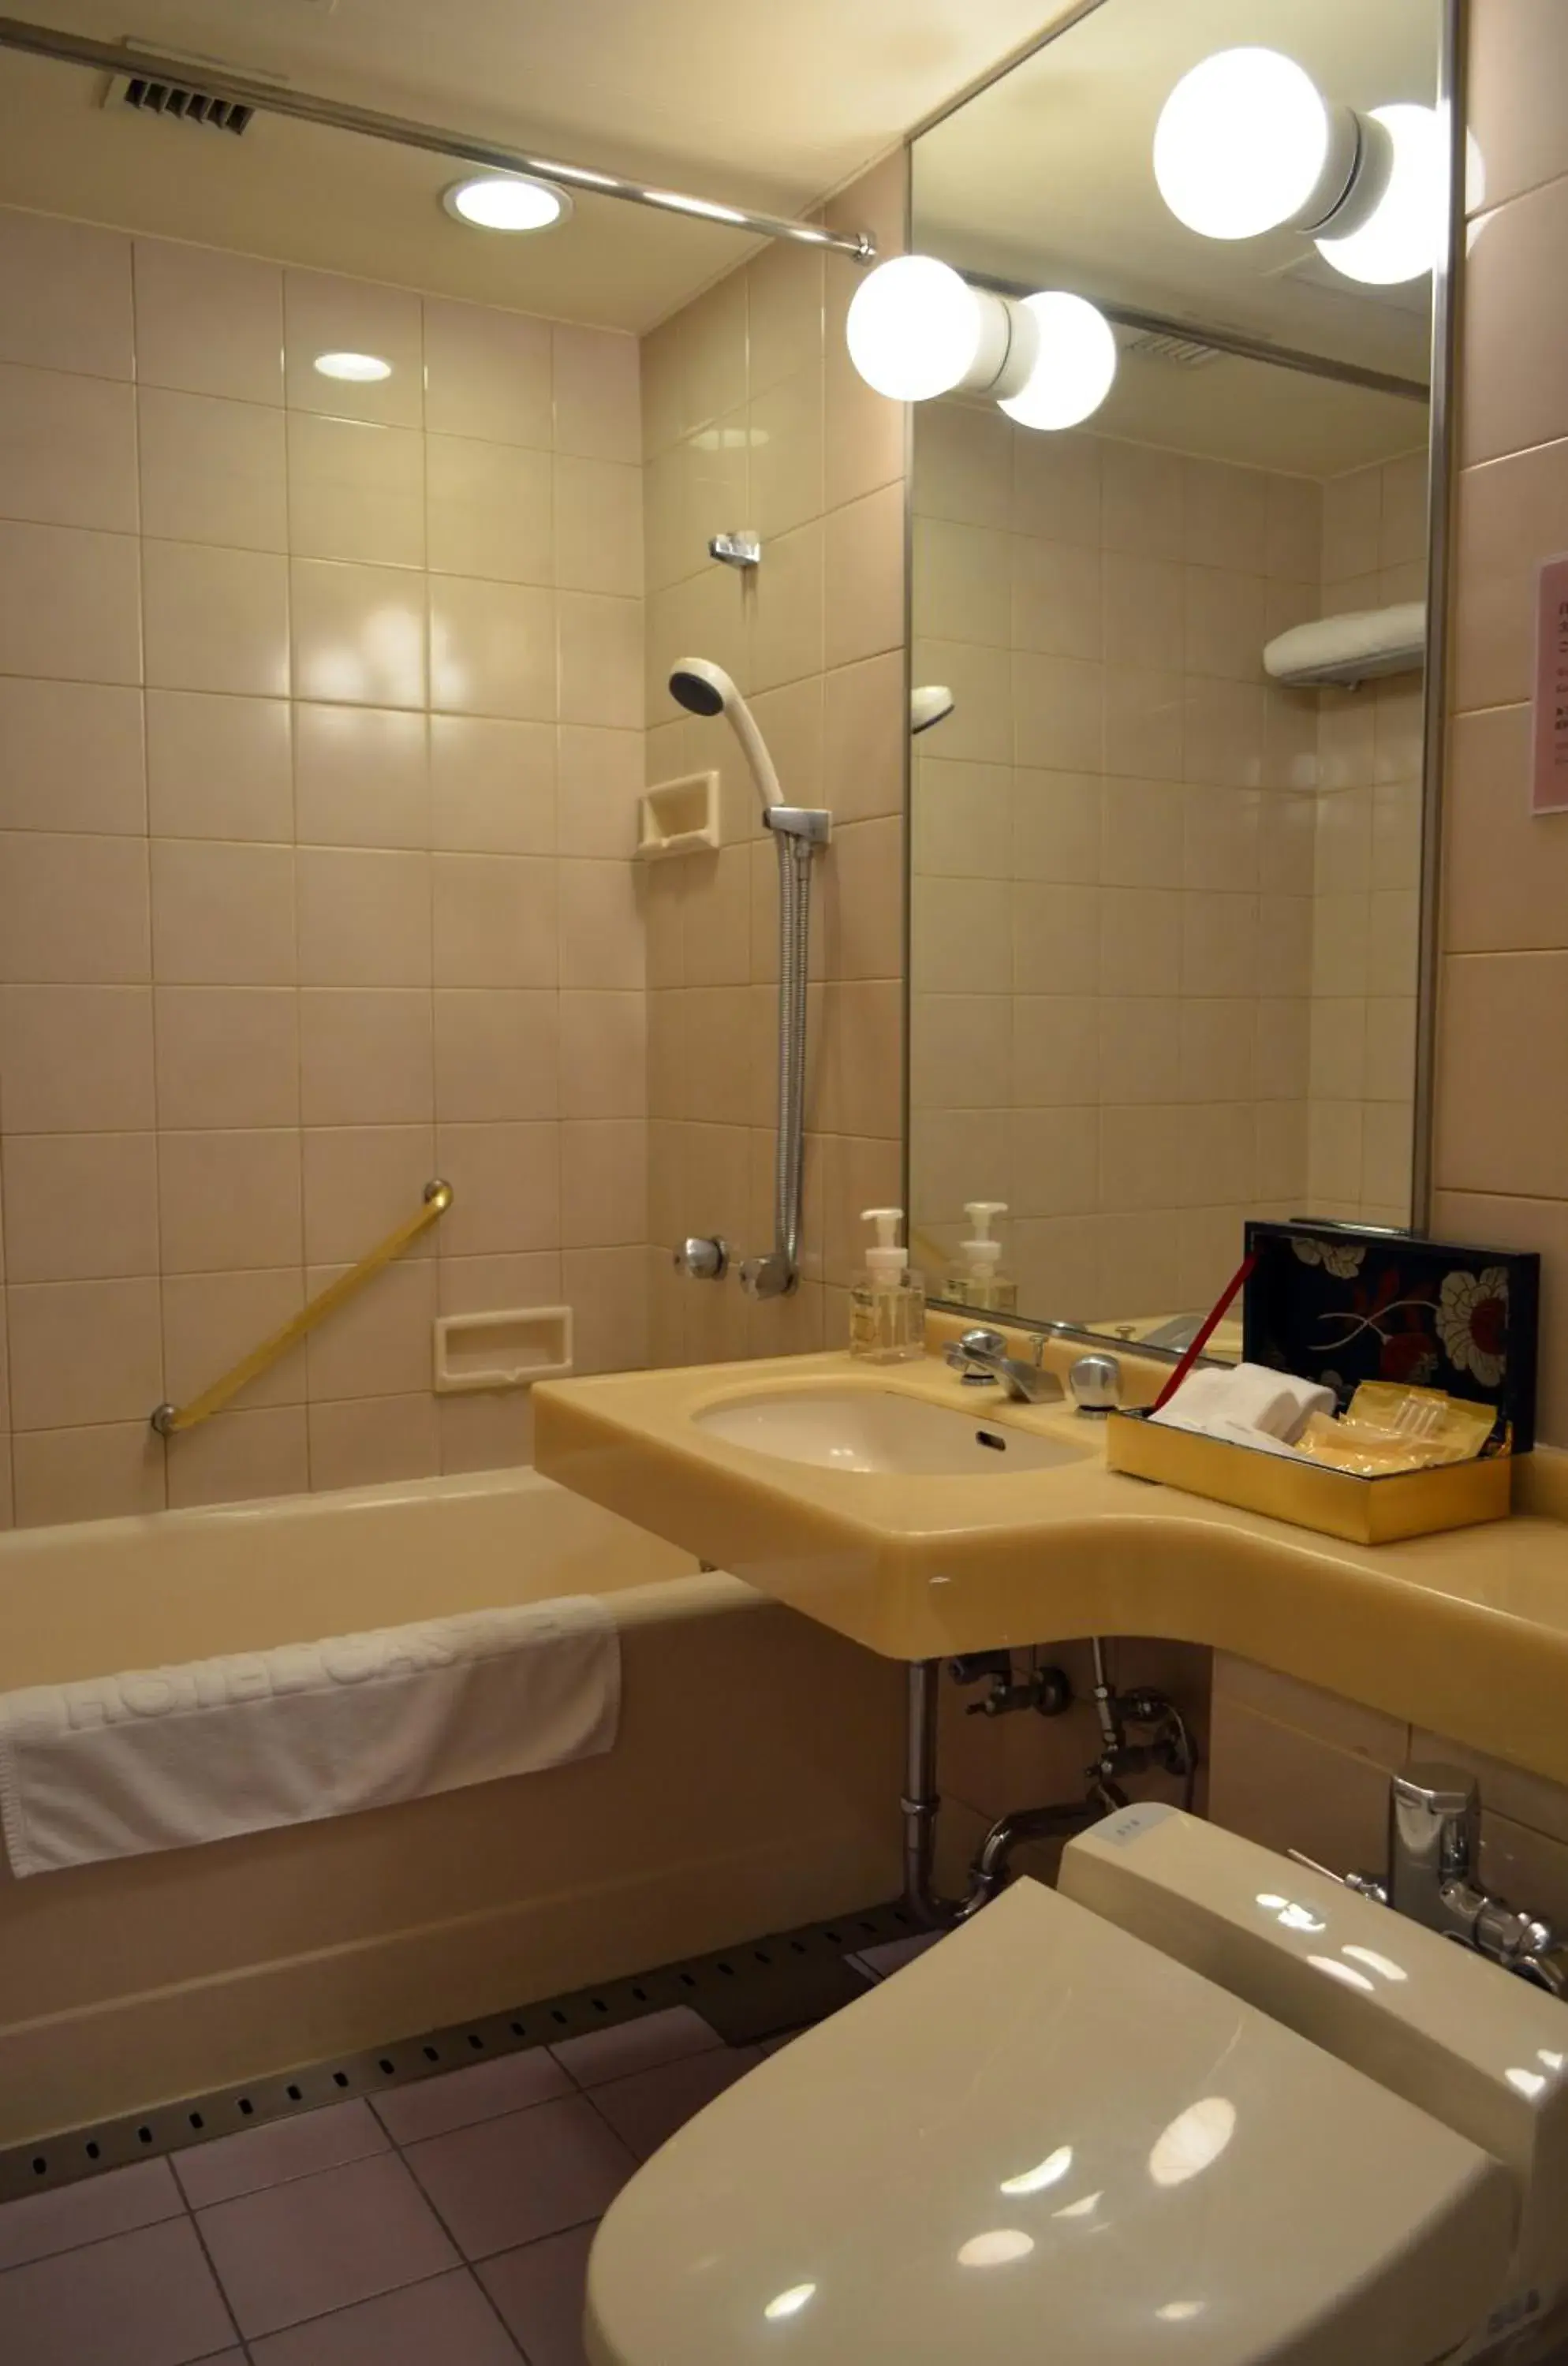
x,y
880,1430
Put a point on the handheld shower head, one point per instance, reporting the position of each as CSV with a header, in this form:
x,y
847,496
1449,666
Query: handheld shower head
x,y
704,688
931,703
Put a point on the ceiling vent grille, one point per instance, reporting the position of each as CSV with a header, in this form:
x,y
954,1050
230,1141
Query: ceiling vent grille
x,y
1180,353
180,102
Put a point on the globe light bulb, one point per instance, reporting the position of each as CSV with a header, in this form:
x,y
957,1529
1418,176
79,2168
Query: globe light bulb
x,y
1402,237
1242,143
915,328
1075,363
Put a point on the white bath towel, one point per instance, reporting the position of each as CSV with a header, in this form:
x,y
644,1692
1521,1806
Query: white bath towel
x,y
163,1758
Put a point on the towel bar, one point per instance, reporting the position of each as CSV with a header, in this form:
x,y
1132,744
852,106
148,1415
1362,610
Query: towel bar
x,y
168,1419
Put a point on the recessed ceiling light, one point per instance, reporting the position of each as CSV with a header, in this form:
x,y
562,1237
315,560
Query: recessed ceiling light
x,y
363,368
507,201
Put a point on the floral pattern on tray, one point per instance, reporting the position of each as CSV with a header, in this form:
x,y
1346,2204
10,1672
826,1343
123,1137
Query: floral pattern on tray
x,y
1340,1305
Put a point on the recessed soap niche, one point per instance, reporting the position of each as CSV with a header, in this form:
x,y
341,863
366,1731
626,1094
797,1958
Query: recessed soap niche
x,y
678,817
510,1347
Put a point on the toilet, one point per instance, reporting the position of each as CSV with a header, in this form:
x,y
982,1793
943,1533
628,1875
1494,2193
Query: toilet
x,y
1196,2103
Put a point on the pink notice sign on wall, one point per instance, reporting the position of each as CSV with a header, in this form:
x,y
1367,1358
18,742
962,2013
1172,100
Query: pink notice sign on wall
x,y
1549,780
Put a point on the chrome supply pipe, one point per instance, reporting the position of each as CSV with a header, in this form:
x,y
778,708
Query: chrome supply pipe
x,y
797,832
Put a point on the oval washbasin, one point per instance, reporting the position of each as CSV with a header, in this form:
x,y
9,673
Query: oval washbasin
x,y
879,1429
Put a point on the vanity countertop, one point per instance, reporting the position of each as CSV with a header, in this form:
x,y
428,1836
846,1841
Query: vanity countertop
x,y
1464,1634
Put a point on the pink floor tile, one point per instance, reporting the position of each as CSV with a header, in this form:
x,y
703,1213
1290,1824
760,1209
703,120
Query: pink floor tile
x,y
322,2243
539,2291
115,2204
146,2299
482,2091
448,2321
894,1953
255,2157
511,2180
648,2110
644,2044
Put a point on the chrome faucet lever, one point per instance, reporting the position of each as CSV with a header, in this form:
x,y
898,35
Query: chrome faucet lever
x,y
1434,1844
982,1355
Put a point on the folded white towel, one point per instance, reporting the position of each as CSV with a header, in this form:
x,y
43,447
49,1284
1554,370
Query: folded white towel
x,y
1224,1400
163,1758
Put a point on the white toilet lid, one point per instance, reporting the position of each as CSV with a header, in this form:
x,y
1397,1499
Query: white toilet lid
x,y
1046,2141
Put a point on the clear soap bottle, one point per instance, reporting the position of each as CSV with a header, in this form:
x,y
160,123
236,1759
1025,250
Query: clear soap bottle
x,y
977,1278
887,1303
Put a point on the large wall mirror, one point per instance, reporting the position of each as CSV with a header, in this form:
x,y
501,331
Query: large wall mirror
x,y
1167,895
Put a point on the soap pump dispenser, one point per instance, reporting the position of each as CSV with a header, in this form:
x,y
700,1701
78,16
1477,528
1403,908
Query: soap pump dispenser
x,y
978,1279
887,1303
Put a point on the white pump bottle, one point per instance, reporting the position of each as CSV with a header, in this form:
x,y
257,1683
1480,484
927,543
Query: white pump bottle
x,y
978,1279
887,1303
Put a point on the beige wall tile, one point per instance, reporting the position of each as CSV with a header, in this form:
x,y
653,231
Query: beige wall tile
x,y
69,604
67,449
1502,1127
961,936
1511,407
866,436
599,778
227,1055
604,1182
786,292
218,767
229,1202
212,471
66,297
355,491
1540,1224
487,374
506,1187
607,1291
71,757
598,527
1516,67
84,1352
222,915
864,739
490,510
241,1456
600,926
493,784
323,314
80,1207
597,408
1143,502
787,622
216,619
358,633
361,777
379,1345
1294,537
863,900
963,465
209,323
601,660
863,611
366,1058
72,910
109,1473
490,1430
369,1441
75,1058
1144,604
492,650
494,920
1512,513
360,1181
496,1052
210,1319
1286,1789
1142,833
364,916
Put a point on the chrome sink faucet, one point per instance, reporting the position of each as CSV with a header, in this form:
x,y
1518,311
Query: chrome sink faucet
x,y
981,1355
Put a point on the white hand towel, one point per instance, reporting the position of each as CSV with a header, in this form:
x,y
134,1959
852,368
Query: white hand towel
x,y
1222,1399
165,1758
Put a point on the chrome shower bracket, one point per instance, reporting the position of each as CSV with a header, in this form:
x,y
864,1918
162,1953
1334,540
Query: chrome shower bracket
x,y
812,823
740,550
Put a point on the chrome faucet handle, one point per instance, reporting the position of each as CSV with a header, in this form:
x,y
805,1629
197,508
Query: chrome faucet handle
x,y
1095,1383
1434,1838
772,1276
703,1260
976,1353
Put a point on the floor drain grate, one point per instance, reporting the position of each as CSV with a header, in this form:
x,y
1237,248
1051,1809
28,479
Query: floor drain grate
x,y
779,1981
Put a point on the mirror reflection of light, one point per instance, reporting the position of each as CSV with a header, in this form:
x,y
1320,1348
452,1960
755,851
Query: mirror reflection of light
x,y
1384,1967
1048,2172
1530,2083
996,2249
1345,1974
1193,2141
789,2303
1178,2312
1084,2209
359,369
1551,2061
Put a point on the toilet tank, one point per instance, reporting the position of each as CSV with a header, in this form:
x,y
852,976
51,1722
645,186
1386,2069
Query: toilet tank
x,y
1468,2043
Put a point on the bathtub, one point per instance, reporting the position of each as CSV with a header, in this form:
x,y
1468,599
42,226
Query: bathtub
x,y
754,1784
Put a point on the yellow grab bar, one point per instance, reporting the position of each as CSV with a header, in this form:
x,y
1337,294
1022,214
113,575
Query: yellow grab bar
x,y
169,1419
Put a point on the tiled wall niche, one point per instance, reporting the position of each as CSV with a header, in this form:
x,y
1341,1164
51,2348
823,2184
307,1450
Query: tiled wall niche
x,y
321,732
1164,910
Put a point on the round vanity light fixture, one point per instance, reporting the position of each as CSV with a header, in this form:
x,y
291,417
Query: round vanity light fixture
x,y
1073,362
511,201
917,329
1401,237
1243,143
360,369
